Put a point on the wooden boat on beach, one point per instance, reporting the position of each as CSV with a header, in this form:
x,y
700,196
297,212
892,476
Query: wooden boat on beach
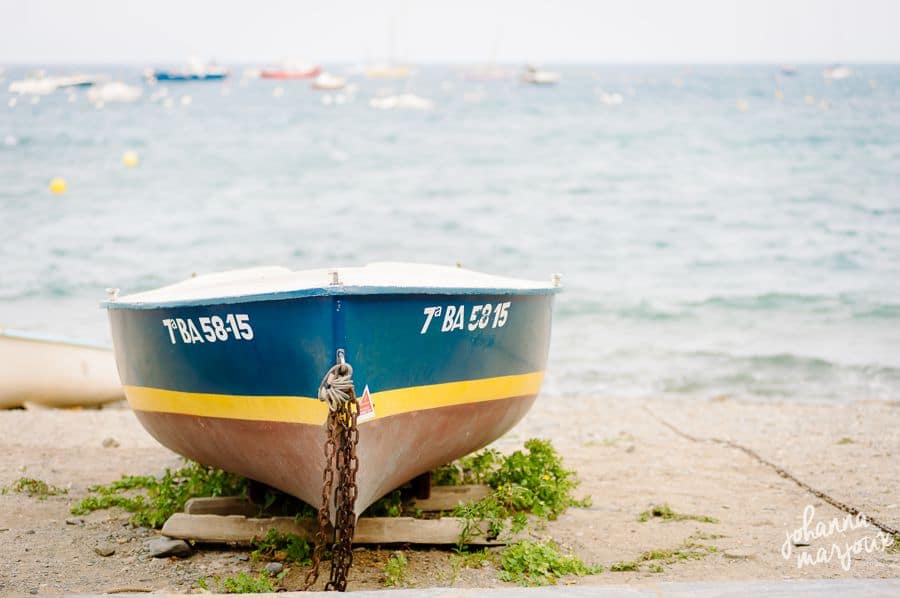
x,y
54,372
225,368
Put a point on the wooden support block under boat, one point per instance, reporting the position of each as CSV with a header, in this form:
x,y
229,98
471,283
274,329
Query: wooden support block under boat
x,y
221,505
445,498
369,530
442,498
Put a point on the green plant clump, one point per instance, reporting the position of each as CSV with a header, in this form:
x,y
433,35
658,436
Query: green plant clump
x,y
540,563
247,584
655,559
624,566
163,496
276,546
395,570
34,487
665,512
390,505
471,469
530,481
538,469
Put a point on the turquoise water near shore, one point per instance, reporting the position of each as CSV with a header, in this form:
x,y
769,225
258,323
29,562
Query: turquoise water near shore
x,y
705,250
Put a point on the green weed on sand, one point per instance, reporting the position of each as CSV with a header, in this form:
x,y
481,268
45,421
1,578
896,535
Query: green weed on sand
x,y
665,512
276,546
540,563
153,500
532,481
34,487
395,570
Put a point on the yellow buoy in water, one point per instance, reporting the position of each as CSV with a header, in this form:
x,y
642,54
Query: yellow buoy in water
x,y
58,185
130,159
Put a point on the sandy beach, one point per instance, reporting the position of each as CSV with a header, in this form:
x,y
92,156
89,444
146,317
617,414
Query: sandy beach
x,y
628,456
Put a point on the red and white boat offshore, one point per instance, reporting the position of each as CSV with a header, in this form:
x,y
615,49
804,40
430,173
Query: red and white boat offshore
x,y
291,71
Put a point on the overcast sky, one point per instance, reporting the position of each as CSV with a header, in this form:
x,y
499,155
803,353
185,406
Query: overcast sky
x,y
165,31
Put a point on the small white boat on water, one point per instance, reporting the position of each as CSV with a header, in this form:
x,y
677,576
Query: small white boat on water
x,y
35,86
536,76
611,99
328,82
836,72
114,92
42,85
53,372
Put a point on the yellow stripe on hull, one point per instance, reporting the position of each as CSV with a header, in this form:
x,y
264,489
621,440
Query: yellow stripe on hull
x,y
306,410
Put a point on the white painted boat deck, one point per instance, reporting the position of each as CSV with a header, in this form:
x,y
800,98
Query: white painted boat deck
x,y
275,279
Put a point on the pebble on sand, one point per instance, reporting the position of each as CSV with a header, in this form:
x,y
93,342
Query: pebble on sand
x,y
105,549
738,555
274,568
162,547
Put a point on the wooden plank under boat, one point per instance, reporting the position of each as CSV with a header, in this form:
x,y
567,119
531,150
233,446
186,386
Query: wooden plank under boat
x,y
225,368
55,372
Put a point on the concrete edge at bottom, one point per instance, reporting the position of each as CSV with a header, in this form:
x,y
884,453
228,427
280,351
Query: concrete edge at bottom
x,y
866,588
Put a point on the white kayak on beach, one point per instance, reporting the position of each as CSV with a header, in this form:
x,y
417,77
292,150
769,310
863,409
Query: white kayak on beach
x,y
54,372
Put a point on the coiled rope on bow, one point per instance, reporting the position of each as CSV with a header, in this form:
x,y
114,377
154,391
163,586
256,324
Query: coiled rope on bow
x,y
342,437
337,385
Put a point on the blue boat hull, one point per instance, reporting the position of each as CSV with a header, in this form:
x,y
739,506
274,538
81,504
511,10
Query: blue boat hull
x,y
169,76
233,384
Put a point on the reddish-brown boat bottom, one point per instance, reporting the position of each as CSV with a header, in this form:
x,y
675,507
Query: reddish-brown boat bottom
x,y
289,456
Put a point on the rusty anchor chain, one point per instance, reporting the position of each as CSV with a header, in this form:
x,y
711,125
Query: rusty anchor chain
x,y
342,437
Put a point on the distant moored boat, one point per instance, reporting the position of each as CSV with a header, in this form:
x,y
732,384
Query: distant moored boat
x,y
536,76
194,71
329,82
291,70
836,72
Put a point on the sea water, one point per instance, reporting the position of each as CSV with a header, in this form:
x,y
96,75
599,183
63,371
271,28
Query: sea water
x,y
719,230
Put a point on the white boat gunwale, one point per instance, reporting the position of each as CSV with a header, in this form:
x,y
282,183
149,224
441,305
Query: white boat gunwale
x,y
215,295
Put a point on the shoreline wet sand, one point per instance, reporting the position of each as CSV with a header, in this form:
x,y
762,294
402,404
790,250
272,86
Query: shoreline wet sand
x,y
629,455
